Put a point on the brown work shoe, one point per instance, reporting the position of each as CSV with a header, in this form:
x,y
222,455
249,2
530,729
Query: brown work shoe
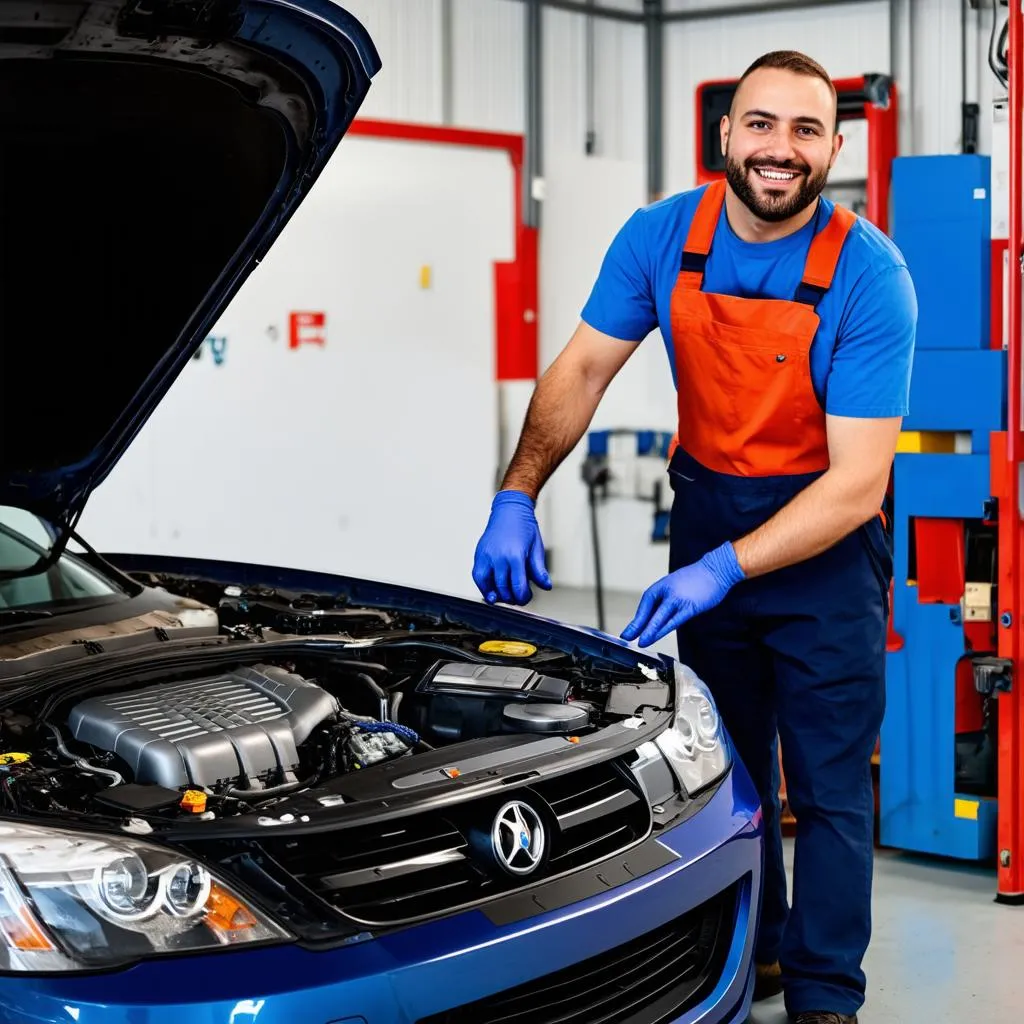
x,y
823,1017
767,981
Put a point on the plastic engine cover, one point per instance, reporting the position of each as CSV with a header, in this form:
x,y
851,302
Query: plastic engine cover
x,y
243,727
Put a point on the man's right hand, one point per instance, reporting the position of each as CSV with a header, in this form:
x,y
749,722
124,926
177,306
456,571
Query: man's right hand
x,y
510,553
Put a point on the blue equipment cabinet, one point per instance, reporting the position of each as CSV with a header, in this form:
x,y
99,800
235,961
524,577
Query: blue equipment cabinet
x,y
938,743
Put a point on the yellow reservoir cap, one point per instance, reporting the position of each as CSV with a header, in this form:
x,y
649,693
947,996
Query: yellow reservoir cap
x,y
508,648
13,758
193,800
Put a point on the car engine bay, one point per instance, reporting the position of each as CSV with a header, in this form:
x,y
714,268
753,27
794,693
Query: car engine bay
x,y
286,695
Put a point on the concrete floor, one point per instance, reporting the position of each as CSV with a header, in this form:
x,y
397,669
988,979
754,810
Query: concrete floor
x,y
942,950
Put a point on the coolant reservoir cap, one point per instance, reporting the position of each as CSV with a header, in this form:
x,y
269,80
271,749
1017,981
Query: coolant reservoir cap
x,y
508,648
548,718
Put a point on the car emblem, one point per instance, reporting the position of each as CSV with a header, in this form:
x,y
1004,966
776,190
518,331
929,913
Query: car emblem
x,y
517,838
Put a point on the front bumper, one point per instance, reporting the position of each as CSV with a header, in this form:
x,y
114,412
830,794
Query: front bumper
x,y
412,974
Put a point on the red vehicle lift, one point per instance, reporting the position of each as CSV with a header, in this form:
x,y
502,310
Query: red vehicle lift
x,y
1006,469
870,97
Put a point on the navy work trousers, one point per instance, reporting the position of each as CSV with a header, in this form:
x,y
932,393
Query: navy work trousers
x,y
797,655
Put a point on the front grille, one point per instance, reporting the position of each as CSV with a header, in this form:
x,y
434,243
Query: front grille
x,y
650,980
435,863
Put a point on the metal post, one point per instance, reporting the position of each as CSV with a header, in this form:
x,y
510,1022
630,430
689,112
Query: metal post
x,y
590,139
447,64
655,38
534,119
595,541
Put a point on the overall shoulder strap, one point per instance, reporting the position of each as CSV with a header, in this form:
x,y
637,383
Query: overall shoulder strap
x,y
701,234
823,256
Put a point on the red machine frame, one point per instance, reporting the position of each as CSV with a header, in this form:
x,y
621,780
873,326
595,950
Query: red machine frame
x,y
871,97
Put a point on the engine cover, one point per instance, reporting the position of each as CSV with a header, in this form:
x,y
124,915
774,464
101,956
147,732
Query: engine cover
x,y
243,727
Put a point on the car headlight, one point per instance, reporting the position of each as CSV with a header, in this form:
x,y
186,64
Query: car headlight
x,y
694,744
73,901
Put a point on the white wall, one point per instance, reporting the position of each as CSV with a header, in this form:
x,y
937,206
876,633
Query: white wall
x,y
372,454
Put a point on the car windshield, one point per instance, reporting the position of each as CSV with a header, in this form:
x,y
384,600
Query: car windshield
x,y
24,539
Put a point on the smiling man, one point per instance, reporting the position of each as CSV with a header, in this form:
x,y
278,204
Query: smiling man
x,y
789,324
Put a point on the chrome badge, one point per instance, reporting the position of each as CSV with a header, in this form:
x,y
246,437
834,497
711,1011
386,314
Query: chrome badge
x,y
517,838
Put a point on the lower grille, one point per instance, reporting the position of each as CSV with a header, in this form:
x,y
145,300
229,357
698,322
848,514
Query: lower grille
x,y
432,864
651,980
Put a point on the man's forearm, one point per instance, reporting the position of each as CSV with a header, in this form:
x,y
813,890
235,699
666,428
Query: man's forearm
x,y
560,410
816,519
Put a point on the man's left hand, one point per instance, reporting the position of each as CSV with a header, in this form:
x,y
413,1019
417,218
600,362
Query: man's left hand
x,y
687,592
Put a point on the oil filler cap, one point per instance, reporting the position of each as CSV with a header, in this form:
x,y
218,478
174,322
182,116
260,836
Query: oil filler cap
x,y
508,648
546,718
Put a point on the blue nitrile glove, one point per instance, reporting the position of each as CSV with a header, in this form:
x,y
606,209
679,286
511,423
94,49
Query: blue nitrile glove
x,y
687,592
510,553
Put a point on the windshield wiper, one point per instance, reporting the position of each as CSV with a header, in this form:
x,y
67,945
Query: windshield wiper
x,y
23,614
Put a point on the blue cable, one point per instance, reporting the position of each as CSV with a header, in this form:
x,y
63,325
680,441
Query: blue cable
x,y
399,730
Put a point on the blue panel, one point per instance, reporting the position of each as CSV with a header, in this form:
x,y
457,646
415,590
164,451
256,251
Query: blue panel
x,y
917,792
949,486
597,442
964,391
918,768
942,224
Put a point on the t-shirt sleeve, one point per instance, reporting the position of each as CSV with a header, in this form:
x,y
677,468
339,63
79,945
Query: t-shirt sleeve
x,y
621,303
874,352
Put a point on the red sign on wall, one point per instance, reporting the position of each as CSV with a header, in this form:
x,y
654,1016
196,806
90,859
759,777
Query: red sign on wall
x,y
307,329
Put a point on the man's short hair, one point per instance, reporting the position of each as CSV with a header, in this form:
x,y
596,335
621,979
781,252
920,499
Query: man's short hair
x,y
796,62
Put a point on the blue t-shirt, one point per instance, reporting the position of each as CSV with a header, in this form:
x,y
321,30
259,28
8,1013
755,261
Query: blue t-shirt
x,y
862,353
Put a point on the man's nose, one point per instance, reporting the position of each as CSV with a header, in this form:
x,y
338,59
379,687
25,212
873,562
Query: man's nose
x,y
779,146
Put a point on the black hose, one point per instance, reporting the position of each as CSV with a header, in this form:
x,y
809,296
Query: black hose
x,y
254,795
366,666
382,697
378,690
1000,73
434,645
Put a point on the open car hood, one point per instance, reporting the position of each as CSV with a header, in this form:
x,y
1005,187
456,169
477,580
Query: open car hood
x,y
151,152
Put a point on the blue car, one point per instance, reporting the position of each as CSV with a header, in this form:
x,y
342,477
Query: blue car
x,y
237,794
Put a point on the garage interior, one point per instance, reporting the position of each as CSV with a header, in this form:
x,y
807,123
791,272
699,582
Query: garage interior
x,y
445,254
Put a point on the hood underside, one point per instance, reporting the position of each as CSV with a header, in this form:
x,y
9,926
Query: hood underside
x,y
151,151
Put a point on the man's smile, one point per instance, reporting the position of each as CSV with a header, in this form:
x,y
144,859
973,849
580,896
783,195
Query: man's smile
x,y
774,174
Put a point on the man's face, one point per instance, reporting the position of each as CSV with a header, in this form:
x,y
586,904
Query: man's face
x,y
779,143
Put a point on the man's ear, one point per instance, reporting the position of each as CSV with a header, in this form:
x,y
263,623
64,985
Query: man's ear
x,y
837,144
723,130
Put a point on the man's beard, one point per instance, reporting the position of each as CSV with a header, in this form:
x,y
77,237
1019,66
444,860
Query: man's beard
x,y
780,206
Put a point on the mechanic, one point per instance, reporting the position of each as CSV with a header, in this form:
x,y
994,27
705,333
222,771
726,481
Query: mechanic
x,y
789,324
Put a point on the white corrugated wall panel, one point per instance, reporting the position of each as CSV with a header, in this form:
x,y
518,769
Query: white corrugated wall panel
x,y
932,123
845,39
935,81
618,99
620,91
407,34
488,56
564,109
